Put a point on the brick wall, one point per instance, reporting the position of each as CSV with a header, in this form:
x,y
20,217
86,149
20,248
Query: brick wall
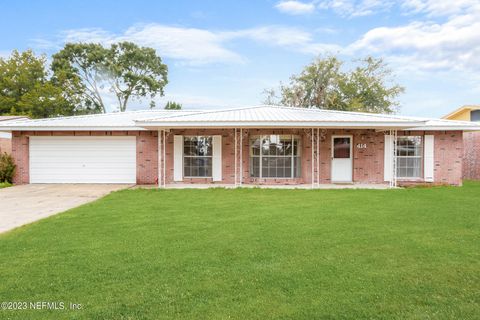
x,y
448,153
228,152
367,162
471,160
147,156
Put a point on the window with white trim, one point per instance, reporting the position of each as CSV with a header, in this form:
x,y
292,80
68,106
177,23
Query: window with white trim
x,y
197,156
409,157
275,156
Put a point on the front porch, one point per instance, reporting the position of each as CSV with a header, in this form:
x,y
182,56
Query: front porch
x,y
279,157
263,186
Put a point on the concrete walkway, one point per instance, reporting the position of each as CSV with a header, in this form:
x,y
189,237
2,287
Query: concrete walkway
x,y
24,204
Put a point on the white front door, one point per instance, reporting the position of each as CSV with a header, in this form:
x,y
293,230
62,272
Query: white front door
x,y
342,159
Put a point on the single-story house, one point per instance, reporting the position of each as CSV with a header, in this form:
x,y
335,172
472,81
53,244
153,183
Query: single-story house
x,y
264,145
6,137
471,140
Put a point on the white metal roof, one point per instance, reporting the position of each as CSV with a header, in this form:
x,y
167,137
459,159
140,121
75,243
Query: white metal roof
x,y
104,121
258,117
278,116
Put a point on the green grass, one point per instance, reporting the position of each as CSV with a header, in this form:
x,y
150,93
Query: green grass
x,y
5,185
253,254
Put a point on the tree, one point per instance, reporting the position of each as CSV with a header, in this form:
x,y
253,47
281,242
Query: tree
x,y
83,67
125,69
324,85
173,106
26,89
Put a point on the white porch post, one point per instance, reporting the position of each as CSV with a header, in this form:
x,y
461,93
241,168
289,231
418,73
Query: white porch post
x,y
235,156
159,166
161,159
318,157
393,180
164,159
313,162
241,156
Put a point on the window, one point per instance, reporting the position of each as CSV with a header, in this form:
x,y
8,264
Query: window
x,y
275,156
341,148
197,156
409,157
475,115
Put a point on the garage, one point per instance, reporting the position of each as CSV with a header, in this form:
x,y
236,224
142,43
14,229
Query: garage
x,y
82,159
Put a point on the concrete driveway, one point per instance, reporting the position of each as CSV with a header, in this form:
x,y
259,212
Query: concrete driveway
x,y
23,204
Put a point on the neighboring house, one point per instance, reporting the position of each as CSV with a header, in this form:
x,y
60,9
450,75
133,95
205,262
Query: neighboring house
x,y
471,140
245,146
6,137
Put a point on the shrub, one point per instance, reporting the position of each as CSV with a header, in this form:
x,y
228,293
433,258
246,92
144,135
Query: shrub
x,y
7,168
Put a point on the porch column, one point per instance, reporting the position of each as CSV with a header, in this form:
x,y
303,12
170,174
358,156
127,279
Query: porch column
x,y
393,180
235,155
318,157
315,145
241,156
161,159
313,160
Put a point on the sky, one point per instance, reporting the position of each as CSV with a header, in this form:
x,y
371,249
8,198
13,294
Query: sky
x,y
225,53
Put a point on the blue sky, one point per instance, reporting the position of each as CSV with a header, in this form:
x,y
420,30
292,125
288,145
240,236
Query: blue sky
x,y
225,53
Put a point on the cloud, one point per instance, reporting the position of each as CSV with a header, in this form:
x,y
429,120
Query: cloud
x,y
272,35
451,45
356,8
195,46
295,7
437,8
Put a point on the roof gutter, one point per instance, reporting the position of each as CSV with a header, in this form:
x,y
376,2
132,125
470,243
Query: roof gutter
x,y
276,124
70,128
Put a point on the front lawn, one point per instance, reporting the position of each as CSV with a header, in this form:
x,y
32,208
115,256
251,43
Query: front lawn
x,y
252,254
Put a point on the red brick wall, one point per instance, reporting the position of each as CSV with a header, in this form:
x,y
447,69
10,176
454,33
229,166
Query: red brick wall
x,y
471,160
147,156
367,163
448,157
448,153
228,152
20,155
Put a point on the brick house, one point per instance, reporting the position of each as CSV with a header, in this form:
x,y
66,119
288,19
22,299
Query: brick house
x,y
6,137
471,140
265,145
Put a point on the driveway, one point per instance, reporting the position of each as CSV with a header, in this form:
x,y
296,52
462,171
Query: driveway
x,y
24,204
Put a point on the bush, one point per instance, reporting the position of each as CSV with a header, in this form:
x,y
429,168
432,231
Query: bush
x,y
7,168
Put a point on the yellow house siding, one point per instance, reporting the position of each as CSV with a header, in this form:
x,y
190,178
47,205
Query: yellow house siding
x,y
462,113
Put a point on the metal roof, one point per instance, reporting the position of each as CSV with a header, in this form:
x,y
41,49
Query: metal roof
x,y
104,121
258,117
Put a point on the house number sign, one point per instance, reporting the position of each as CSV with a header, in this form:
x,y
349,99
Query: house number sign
x,y
361,146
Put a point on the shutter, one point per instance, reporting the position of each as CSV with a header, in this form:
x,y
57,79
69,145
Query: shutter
x,y
178,158
388,159
428,164
217,158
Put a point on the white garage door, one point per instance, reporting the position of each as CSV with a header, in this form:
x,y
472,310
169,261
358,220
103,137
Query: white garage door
x,y
77,159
